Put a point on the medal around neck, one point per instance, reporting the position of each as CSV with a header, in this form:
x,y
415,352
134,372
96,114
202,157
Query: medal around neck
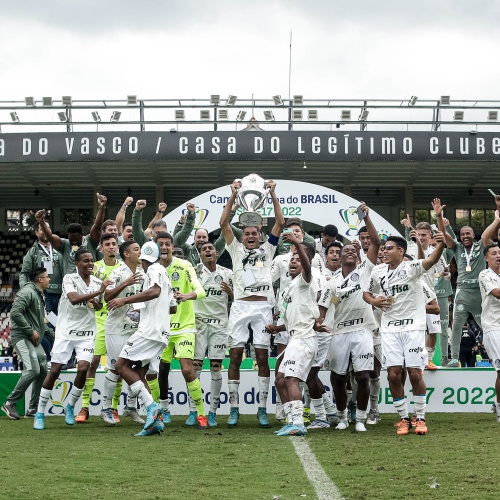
x,y
252,196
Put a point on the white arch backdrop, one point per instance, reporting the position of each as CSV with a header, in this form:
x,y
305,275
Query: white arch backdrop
x,y
311,202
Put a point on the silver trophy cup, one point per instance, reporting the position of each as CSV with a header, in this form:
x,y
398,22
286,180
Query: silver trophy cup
x,y
252,196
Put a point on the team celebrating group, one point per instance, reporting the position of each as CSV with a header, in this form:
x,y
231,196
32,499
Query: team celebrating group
x,y
143,298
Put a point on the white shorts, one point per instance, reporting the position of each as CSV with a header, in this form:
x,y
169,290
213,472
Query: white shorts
x,y
281,337
324,342
63,349
253,314
433,323
143,351
404,348
114,346
298,357
491,342
356,346
210,338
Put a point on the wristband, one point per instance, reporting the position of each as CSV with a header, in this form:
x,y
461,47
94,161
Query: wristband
x,y
124,205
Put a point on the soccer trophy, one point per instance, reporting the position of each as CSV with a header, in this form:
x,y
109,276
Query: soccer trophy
x,y
252,196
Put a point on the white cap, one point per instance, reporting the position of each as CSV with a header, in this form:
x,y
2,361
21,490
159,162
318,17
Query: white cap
x,y
150,251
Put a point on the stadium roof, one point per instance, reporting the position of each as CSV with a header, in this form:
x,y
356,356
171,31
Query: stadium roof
x,y
380,183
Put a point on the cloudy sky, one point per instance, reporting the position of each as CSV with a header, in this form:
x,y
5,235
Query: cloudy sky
x,y
191,49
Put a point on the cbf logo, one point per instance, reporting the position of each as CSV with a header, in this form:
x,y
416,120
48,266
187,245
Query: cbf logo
x,y
351,219
383,235
58,396
201,215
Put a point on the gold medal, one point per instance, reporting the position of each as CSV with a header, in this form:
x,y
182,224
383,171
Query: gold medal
x,y
335,300
90,305
259,263
468,269
437,275
391,299
75,248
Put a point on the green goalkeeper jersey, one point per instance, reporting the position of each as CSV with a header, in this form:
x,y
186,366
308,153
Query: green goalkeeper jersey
x,y
184,280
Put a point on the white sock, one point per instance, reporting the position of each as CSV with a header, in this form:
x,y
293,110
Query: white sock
x,y
279,404
74,395
110,380
215,388
233,386
319,409
360,415
330,406
342,414
305,392
287,407
263,391
307,396
430,353
419,402
44,399
165,404
297,410
138,389
401,407
131,401
498,408
374,393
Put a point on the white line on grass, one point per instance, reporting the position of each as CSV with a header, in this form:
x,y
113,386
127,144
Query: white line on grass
x,y
323,485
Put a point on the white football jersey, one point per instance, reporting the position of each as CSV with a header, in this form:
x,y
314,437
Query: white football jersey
x,y
429,276
154,323
121,321
404,285
252,270
429,294
351,311
214,305
76,321
279,271
300,307
320,249
490,316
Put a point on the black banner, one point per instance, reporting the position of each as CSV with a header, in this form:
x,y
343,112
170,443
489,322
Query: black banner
x,y
241,146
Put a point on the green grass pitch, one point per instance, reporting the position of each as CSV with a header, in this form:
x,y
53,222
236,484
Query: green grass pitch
x,y
459,458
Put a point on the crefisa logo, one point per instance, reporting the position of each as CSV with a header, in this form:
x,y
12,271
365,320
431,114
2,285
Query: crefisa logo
x,y
351,219
60,392
201,215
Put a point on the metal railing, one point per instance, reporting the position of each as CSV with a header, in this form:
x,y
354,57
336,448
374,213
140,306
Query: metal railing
x,y
233,113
